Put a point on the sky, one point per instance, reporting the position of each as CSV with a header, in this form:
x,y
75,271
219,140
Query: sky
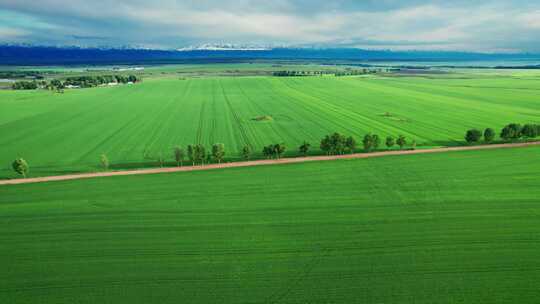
x,y
456,25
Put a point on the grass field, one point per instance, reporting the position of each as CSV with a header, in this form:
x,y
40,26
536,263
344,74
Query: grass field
x,y
457,227
64,133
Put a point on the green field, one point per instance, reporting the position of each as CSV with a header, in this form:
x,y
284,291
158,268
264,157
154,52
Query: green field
x,y
62,133
460,227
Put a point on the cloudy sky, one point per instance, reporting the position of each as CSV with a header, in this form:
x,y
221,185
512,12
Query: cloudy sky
x,y
471,25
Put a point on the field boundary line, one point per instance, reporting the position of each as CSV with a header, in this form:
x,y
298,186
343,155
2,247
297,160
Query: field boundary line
x,y
240,164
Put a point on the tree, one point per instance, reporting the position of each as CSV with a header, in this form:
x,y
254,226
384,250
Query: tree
x,y
191,154
489,135
160,159
511,131
24,85
304,148
279,149
199,153
473,135
325,144
179,155
337,143
376,141
246,152
56,84
218,151
530,131
21,167
268,151
368,142
413,145
350,143
104,162
209,158
401,141
390,142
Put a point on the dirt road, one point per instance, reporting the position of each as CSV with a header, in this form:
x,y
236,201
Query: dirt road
x,y
257,163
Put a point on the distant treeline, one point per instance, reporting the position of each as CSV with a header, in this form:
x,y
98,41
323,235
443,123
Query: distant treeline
x,y
298,73
20,74
25,85
79,81
348,72
93,81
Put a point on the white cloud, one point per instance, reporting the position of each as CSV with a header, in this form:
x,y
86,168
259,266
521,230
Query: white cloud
x,y
460,25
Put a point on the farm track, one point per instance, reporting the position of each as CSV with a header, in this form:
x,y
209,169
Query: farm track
x,y
260,162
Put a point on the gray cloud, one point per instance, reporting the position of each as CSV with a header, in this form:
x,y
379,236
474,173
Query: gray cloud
x,y
459,25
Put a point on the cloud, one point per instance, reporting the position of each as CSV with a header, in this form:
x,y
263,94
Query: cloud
x,y
406,24
7,33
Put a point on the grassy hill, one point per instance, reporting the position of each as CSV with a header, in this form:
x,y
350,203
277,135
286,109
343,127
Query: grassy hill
x,y
62,133
458,227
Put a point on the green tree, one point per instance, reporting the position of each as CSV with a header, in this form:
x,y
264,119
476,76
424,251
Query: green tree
x,y
279,149
191,154
268,151
21,167
529,130
413,145
325,145
200,154
350,143
218,151
473,135
179,155
376,141
368,142
390,142
104,160
511,131
489,135
337,143
304,148
209,158
401,141
246,152
160,159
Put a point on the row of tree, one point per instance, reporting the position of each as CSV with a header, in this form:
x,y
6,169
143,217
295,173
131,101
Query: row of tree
x,y
21,74
511,131
275,150
79,81
93,81
338,144
354,72
332,144
24,85
347,72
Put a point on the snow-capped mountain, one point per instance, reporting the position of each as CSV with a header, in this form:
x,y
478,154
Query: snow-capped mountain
x,y
225,47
